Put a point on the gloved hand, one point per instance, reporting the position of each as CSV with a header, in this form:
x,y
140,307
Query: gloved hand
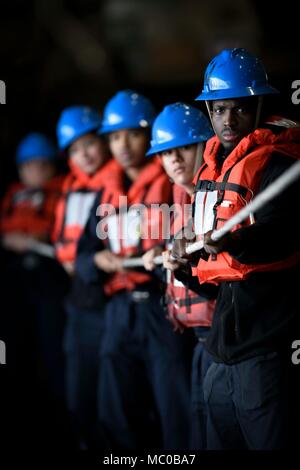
x,y
214,247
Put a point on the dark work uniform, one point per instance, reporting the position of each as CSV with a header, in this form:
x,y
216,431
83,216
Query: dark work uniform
x,y
85,327
144,367
250,387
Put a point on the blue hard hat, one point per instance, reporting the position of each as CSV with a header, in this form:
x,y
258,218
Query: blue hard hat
x,y
127,110
177,125
75,122
35,146
235,73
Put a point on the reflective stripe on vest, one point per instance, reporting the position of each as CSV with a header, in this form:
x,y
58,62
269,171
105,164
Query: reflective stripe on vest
x,y
124,230
78,208
185,305
235,185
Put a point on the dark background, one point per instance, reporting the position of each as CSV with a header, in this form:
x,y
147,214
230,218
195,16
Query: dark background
x,y
55,53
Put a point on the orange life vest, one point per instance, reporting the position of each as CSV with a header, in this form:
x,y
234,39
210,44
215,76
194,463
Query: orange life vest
x,y
185,307
219,194
131,230
31,211
78,196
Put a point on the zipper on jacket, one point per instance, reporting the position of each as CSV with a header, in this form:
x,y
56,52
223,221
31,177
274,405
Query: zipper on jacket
x,y
221,346
221,349
236,326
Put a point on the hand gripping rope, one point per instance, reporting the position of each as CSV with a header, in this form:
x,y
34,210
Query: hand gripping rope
x,y
275,188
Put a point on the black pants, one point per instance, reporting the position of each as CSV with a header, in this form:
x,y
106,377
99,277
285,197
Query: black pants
x,y
84,331
31,324
201,363
247,404
145,375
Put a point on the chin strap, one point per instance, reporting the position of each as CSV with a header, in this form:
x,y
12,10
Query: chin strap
x,y
209,114
199,157
258,112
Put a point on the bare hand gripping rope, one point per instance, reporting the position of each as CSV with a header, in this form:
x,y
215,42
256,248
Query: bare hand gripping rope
x,y
42,248
275,188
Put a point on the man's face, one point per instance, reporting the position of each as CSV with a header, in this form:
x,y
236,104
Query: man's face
x,y
179,163
35,173
233,119
128,147
88,152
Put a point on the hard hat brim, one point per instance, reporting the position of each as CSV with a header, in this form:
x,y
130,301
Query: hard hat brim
x,y
81,133
119,127
171,145
236,93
